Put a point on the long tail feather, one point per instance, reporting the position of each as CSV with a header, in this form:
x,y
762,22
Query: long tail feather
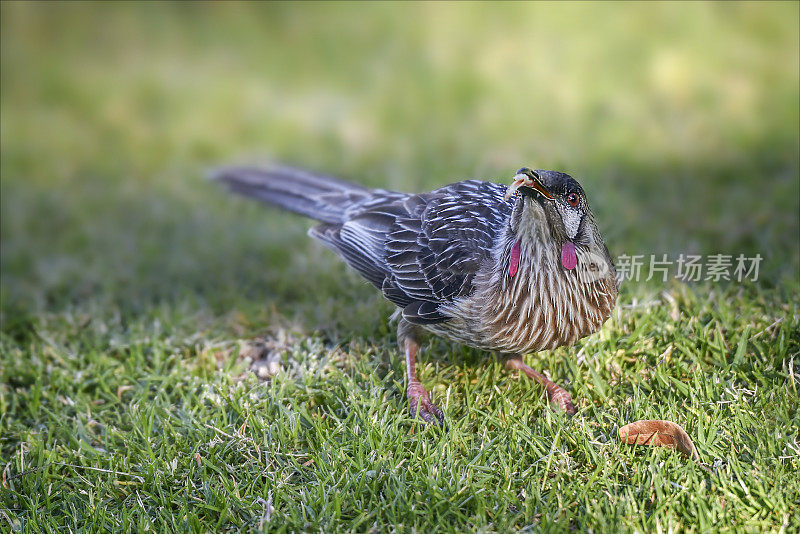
x,y
314,195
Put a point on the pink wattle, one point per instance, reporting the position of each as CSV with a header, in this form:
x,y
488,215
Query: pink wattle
x,y
568,257
513,265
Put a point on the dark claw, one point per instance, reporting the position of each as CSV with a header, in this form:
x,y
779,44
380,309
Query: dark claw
x,y
420,405
427,411
562,400
569,408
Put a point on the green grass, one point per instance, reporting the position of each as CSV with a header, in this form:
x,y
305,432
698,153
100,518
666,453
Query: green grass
x,y
134,292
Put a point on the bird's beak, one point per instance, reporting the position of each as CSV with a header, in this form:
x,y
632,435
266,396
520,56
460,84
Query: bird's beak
x,y
525,180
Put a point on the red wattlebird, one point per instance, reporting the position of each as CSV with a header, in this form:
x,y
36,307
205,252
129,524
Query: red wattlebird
x,y
514,270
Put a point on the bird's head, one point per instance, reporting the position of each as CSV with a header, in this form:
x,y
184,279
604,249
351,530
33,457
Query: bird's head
x,y
552,209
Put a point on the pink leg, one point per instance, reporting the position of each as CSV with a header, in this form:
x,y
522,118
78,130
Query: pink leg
x,y
419,403
555,393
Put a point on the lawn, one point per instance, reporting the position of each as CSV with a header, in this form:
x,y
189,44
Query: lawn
x,y
136,294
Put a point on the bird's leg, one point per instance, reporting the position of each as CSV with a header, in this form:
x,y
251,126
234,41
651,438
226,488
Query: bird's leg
x,y
555,393
419,403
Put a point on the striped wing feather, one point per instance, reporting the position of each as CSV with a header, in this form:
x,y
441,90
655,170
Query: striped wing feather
x,y
421,250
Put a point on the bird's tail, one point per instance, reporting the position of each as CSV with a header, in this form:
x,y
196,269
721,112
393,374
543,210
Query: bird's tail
x,y
314,195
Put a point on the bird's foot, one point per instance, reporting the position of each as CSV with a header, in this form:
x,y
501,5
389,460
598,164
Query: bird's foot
x,y
558,396
420,405
561,399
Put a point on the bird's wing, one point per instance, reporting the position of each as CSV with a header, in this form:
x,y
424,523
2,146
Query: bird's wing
x,y
422,250
434,252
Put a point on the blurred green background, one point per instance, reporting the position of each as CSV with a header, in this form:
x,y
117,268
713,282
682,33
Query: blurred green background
x,y
132,288
680,120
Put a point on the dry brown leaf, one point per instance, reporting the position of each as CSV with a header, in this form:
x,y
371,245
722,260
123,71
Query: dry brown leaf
x,y
658,433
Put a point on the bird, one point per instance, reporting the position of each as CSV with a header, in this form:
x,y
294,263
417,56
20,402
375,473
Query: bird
x,y
512,269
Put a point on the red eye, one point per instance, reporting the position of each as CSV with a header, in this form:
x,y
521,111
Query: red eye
x,y
573,199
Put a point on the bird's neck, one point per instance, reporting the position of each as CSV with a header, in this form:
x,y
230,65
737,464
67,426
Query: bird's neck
x,y
544,305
